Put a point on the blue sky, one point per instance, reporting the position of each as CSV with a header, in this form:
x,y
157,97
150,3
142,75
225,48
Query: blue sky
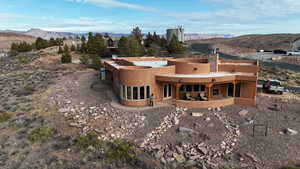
x,y
120,16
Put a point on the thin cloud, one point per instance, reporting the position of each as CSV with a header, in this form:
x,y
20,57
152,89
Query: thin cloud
x,y
115,4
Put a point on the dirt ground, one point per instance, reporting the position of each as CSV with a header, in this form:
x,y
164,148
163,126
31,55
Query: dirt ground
x,y
84,89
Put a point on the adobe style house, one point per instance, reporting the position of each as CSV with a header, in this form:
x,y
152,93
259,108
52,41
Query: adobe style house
x,y
185,82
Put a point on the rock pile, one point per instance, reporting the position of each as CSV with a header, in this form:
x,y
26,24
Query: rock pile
x,y
109,123
187,154
168,122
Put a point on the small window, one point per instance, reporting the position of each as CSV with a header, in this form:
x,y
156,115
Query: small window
x,y
129,96
216,92
148,91
196,88
142,92
135,93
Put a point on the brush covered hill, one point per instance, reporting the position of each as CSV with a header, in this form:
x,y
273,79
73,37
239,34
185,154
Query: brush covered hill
x,y
251,43
6,39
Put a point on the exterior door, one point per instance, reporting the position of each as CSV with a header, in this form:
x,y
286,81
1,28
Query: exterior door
x,y
167,90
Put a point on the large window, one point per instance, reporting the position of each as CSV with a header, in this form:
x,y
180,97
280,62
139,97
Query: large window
x,y
129,94
192,88
148,92
135,92
142,92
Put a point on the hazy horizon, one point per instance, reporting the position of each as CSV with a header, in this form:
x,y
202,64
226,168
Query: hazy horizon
x,y
234,17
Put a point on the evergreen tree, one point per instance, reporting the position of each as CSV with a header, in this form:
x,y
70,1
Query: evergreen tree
x,y
148,40
137,33
156,38
66,58
123,46
96,62
52,42
66,48
60,50
163,42
175,47
78,47
73,47
135,48
41,43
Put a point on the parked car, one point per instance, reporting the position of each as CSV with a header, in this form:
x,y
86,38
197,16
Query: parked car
x,y
290,53
273,86
279,51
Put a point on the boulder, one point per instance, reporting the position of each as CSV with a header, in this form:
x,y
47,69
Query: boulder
x,y
203,150
197,114
289,131
176,121
243,112
179,158
188,130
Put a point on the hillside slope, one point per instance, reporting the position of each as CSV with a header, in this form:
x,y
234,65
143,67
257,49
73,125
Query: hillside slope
x,y
6,39
251,43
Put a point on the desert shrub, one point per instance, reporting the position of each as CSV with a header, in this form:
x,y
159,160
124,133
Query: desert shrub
x,y
73,48
95,62
66,58
41,134
84,59
24,60
5,116
120,151
92,61
28,87
89,140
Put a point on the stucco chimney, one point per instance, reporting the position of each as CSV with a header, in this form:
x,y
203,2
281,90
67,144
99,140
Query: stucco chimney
x,y
213,60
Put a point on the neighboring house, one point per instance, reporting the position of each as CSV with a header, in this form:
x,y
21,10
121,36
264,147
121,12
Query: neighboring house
x,y
112,42
185,82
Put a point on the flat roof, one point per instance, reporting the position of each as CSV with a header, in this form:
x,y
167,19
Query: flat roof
x,y
151,63
218,74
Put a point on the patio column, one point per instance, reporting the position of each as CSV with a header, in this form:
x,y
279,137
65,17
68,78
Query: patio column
x,y
178,85
234,88
209,86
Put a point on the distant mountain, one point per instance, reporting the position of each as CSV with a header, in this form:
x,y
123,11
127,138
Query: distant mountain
x,y
49,34
197,36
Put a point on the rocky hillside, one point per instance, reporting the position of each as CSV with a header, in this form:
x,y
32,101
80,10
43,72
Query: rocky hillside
x,y
6,39
251,43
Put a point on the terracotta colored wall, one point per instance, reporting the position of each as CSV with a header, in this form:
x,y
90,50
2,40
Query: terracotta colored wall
x,y
135,103
205,104
144,77
245,101
248,89
206,80
238,68
192,68
254,62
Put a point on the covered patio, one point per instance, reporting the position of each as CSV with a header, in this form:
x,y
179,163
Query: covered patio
x,y
211,91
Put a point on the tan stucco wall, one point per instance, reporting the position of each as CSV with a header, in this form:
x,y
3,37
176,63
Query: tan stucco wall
x,y
205,104
156,78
